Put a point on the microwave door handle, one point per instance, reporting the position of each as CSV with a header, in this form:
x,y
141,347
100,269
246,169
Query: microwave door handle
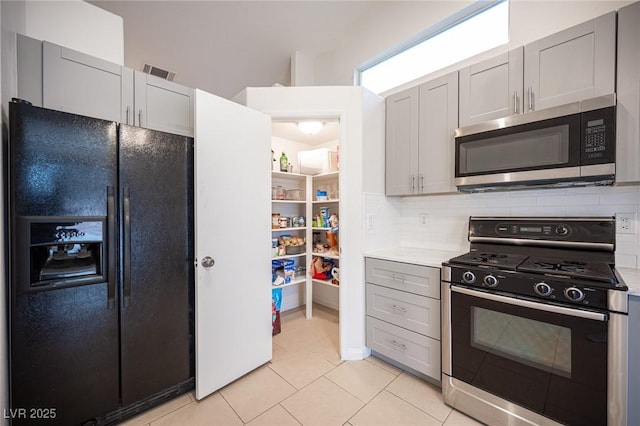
x,y
532,305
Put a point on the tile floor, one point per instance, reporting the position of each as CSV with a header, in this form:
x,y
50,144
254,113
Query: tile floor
x,y
306,383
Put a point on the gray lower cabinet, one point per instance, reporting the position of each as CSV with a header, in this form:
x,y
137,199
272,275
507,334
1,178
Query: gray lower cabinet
x,y
403,314
63,79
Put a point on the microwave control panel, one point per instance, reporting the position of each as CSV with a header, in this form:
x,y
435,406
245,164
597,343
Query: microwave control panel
x,y
598,136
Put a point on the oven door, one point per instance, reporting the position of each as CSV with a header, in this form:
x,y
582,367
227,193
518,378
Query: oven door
x,y
549,359
546,150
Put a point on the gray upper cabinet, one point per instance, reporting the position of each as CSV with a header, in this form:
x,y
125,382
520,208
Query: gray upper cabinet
x,y
571,65
82,84
628,95
402,142
420,146
492,88
58,78
163,105
438,119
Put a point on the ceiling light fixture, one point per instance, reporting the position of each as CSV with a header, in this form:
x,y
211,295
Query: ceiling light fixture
x,y
310,127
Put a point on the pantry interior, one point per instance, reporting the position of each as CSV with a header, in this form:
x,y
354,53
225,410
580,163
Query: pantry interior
x,y
305,193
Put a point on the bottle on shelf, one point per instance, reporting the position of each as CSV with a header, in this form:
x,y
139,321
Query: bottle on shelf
x,y
284,163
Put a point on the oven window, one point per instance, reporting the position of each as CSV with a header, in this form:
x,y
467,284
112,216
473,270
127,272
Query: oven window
x,y
527,150
537,344
544,361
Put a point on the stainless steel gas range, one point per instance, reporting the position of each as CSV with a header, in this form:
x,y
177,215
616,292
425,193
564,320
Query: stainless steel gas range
x,y
535,323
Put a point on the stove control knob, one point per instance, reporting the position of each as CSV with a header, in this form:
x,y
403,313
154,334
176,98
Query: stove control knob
x,y
574,294
562,230
469,277
543,289
490,281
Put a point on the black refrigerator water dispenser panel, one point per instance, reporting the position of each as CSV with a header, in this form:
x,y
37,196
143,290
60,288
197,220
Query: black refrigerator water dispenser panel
x,y
61,252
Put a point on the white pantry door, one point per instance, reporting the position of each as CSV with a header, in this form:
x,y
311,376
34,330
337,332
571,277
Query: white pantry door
x,y
232,231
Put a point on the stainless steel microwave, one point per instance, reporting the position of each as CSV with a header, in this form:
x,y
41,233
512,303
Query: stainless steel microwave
x,y
568,145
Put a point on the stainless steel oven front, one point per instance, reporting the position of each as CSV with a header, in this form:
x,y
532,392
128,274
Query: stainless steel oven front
x,y
508,360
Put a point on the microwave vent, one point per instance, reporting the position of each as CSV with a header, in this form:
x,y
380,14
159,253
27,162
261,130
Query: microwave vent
x,y
158,72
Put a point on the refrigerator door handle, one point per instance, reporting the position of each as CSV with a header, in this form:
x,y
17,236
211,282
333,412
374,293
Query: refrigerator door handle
x,y
111,245
126,250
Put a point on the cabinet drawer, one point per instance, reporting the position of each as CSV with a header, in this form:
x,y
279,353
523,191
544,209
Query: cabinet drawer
x,y
414,350
421,280
416,313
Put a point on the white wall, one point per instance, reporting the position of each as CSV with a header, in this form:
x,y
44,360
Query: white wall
x,y
356,110
390,23
77,25
448,215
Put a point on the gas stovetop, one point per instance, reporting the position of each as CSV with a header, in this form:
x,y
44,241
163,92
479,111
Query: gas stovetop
x,y
551,266
553,260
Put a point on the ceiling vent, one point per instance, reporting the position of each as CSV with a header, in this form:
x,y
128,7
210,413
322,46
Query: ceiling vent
x,y
158,72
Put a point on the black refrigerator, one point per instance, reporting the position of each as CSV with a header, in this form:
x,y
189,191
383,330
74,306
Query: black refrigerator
x,y
101,281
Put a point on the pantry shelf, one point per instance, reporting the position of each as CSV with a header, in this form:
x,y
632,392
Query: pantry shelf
x,y
327,255
333,200
289,201
296,228
295,281
289,256
325,282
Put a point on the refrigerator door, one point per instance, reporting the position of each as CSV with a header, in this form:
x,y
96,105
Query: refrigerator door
x,y
156,193
233,291
64,359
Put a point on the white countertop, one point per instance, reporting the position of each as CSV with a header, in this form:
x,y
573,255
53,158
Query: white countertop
x,y
631,278
434,258
417,256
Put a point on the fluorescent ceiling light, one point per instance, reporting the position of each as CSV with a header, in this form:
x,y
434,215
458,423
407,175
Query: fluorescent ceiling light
x,y
310,127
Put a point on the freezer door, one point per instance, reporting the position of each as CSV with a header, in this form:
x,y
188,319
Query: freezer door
x,y
233,290
156,194
63,332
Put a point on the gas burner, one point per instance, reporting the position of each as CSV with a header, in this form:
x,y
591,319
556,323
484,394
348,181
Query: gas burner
x,y
488,257
566,266
590,270
501,260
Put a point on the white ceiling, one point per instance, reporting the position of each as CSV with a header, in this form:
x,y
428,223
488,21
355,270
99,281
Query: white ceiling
x,y
289,130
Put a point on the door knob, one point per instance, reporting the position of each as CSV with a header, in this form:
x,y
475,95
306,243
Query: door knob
x,y
208,262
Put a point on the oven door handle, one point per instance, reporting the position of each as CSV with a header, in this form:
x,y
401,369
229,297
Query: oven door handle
x,y
533,305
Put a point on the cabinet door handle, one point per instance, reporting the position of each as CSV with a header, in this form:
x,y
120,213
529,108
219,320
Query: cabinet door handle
x,y
421,183
140,117
127,122
413,183
399,345
398,308
530,95
515,102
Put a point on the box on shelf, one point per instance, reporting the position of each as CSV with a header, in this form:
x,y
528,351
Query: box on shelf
x,y
284,268
316,161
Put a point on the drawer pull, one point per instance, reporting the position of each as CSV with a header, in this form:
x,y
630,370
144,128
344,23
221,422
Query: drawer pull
x,y
402,346
397,277
398,308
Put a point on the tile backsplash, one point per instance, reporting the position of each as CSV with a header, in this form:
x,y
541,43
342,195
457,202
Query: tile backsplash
x,y
440,222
